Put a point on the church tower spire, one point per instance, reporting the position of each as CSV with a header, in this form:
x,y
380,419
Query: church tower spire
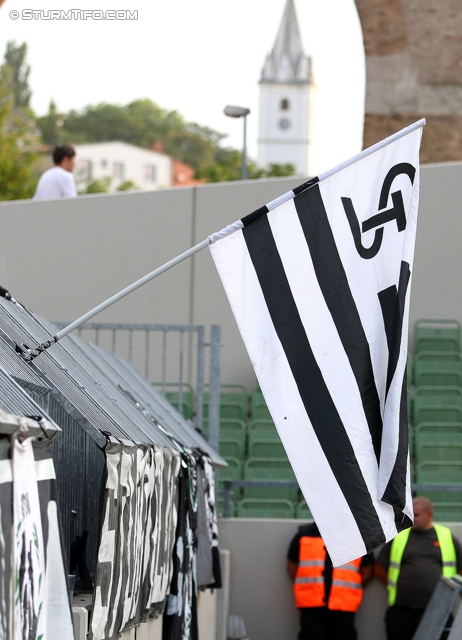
x,y
285,95
287,61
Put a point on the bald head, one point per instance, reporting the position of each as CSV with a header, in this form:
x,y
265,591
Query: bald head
x,y
423,513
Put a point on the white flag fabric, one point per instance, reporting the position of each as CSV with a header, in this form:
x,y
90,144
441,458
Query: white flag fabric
x,y
319,283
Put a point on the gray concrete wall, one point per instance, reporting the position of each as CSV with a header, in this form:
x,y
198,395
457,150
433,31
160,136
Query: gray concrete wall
x,y
438,257
63,257
261,592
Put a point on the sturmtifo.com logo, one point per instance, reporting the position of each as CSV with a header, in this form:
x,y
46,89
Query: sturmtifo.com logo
x,y
74,14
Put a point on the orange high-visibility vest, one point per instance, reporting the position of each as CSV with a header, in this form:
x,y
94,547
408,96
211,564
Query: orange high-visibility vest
x,y
346,591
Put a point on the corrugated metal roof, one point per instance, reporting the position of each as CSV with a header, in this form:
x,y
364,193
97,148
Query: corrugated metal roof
x,y
135,386
87,383
73,386
20,370
14,400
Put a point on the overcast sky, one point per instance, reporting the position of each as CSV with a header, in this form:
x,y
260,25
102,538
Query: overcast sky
x,y
195,57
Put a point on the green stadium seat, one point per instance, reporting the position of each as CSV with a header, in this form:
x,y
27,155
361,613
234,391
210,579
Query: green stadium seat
x,y
234,401
439,377
302,511
439,472
439,394
231,448
410,404
258,408
266,448
269,469
438,368
265,508
263,429
220,507
437,404
410,369
231,429
444,497
451,359
411,437
172,394
232,472
438,452
424,413
447,511
438,432
436,335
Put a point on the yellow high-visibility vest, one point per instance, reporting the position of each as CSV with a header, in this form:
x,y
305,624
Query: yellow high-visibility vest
x,y
448,557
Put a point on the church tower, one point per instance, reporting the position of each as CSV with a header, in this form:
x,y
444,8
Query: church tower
x,y
286,89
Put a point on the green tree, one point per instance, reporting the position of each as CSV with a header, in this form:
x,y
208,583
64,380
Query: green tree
x,y
99,185
15,60
142,123
50,125
128,185
17,144
280,170
227,166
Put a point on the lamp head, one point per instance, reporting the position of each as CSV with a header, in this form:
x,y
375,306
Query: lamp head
x,y
236,112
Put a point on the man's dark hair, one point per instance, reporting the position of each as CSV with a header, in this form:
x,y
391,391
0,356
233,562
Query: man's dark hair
x,y
61,152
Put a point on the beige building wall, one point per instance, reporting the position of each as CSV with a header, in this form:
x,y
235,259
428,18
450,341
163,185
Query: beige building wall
x,y
61,258
414,70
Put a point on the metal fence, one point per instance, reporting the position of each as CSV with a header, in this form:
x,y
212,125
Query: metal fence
x,y
173,357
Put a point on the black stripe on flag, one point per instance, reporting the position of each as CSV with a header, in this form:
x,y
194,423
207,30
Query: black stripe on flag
x,y
313,390
334,285
251,217
398,317
395,493
305,185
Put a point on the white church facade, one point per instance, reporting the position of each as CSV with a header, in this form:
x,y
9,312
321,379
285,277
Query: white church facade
x,y
286,100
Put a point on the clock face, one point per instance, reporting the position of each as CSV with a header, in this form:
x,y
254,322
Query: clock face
x,y
284,124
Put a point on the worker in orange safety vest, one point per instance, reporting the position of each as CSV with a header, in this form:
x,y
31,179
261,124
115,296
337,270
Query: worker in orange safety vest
x,y
327,597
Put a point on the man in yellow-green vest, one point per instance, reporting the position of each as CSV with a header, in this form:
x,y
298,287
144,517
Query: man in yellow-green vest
x,y
411,565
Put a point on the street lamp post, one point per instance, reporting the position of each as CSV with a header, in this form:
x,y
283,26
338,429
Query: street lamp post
x,y
240,112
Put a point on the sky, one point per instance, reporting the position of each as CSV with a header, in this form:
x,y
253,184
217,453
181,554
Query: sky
x,y
195,58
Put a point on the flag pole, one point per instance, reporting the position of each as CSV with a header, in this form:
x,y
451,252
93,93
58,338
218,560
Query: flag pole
x,y
30,354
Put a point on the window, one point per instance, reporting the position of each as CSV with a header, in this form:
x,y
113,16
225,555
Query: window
x,y
118,171
150,172
104,164
285,106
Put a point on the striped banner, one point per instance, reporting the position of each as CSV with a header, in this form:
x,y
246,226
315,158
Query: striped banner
x,y
319,283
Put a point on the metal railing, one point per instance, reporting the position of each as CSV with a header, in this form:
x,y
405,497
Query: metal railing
x,y
149,347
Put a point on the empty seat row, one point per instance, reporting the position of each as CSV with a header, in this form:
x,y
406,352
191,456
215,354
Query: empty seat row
x,y
260,439
235,401
436,335
263,470
266,508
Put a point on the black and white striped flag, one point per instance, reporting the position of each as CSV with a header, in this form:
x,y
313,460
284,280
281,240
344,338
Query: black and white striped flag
x,y
319,283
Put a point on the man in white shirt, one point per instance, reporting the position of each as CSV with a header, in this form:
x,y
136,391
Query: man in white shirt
x,y
58,182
